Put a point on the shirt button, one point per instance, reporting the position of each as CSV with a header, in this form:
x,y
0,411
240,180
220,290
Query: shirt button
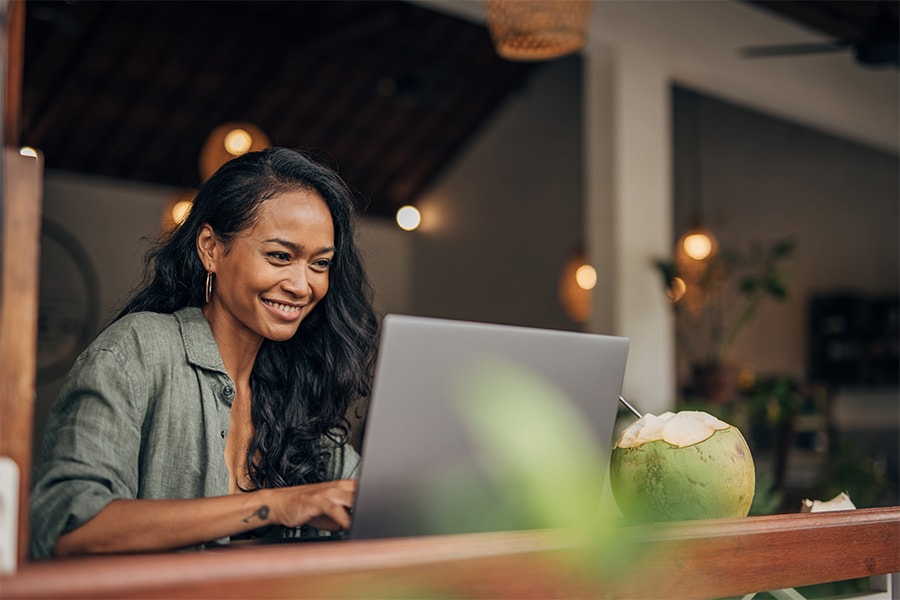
x,y
228,391
223,434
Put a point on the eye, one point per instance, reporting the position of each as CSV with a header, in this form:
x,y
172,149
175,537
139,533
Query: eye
x,y
279,256
322,264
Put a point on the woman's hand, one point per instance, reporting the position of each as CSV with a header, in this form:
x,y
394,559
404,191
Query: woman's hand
x,y
322,505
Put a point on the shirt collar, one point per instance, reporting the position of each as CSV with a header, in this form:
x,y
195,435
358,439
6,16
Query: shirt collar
x,y
199,344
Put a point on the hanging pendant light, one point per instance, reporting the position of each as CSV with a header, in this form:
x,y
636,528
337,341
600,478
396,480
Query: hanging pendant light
x,y
697,243
228,141
577,280
695,264
537,29
697,247
177,208
694,252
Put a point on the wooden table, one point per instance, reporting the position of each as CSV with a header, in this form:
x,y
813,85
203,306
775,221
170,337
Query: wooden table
x,y
699,559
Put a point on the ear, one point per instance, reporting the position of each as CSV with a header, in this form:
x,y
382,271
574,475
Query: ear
x,y
207,247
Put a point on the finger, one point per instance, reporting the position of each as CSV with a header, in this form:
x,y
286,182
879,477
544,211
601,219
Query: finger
x,y
342,492
344,499
334,518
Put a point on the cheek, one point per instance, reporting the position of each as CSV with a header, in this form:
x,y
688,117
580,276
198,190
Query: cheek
x,y
322,286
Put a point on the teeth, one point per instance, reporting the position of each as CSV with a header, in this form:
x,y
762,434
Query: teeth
x,y
284,307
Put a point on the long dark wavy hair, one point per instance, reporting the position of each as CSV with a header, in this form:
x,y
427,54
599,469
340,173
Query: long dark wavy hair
x,y
302,387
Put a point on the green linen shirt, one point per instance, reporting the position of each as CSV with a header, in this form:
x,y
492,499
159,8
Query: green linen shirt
x,y
144,413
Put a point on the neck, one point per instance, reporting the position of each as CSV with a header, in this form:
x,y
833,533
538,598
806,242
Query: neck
x,y
238,346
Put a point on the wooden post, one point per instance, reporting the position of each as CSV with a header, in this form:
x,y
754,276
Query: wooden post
x,y
22,187
12,22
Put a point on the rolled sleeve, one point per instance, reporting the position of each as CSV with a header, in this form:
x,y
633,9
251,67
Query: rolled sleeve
x,y
91,450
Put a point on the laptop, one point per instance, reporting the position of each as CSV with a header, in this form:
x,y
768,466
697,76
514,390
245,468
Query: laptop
x,y
423,469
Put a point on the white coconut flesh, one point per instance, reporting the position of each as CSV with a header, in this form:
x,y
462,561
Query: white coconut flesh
x,y
681,429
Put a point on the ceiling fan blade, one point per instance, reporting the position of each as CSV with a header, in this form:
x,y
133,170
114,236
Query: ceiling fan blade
x,y
793,49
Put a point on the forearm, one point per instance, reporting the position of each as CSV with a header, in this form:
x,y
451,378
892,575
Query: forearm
x,y
160,525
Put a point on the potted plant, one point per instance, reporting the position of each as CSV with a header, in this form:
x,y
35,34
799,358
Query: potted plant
x,y
714,300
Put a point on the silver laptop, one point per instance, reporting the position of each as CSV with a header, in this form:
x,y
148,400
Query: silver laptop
x,y
422,470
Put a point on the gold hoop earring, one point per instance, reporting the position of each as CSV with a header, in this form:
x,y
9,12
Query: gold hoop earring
x,y
209,285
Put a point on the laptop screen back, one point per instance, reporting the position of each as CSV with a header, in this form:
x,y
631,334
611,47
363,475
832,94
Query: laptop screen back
x,y
422,470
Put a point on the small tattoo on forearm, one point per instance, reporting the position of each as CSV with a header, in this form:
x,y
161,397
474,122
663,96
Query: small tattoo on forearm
x,y
261,513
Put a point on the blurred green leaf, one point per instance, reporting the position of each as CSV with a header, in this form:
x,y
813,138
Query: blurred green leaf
x,y
539,451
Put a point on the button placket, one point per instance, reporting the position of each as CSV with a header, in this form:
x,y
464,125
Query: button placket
x,y
228,396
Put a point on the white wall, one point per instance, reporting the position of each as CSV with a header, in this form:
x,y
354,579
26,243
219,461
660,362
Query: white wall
x,y
499,226
387,253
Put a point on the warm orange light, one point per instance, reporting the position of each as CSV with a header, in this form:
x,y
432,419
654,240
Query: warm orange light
x,y
237,141
576,282
694,259
408,218
177,208
698,245
586,277
677,289
180,211
228,141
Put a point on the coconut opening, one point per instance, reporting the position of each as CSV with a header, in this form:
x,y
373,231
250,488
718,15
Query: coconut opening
x,y
680,429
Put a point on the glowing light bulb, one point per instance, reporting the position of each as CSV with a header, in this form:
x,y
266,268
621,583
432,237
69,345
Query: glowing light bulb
x,y
677,289
586,277
697,245
180,211
237,142
408,218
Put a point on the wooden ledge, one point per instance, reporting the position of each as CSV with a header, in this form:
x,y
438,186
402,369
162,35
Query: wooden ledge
x,y
699,559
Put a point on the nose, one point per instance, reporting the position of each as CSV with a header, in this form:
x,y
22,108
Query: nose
x,y
297,282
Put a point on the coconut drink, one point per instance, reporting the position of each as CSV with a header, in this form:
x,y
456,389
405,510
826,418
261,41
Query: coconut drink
x,y
682,466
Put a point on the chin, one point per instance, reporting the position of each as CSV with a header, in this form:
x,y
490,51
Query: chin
x,y
281,335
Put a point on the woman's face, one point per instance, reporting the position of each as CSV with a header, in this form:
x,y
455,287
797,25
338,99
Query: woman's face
x,y
274,273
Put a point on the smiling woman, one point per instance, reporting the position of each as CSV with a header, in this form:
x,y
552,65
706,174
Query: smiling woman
x,y
214,404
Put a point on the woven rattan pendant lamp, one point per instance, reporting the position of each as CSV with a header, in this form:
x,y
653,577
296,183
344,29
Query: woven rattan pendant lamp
x,y
528,30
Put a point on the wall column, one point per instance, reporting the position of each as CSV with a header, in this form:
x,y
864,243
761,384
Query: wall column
x,y
628,208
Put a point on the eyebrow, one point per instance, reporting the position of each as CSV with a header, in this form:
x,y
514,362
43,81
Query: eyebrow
x,y
298,247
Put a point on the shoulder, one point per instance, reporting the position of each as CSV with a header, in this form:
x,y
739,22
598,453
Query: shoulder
x,y
137,357
142,329
122,363
137,341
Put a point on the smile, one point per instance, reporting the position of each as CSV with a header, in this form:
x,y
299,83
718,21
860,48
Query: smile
x,y
283,307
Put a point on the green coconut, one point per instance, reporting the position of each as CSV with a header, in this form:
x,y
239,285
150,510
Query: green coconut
x,y
682,466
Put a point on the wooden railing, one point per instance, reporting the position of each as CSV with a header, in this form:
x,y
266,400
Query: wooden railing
x,y
701,559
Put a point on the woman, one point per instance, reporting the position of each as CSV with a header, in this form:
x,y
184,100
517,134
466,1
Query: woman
x,y
215,402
